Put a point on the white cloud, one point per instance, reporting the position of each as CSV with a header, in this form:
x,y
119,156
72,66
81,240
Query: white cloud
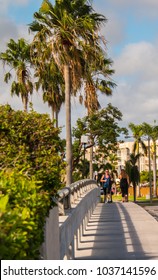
x,y
139,60
134,3
5,4
147,8
136,76
114,30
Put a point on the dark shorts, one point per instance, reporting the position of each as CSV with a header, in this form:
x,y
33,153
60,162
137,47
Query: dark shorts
x,y
107,190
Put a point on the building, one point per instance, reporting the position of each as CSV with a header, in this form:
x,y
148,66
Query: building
x,y
126,148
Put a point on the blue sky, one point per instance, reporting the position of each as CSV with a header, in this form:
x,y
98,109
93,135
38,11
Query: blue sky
x,y
132,36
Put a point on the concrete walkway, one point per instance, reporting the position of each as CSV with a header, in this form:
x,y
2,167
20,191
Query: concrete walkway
x,y
119,231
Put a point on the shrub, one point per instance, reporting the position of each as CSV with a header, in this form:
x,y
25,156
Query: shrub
x,y
31,168
23,208
30,143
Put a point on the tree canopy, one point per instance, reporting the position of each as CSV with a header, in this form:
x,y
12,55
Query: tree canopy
x,y
30,144
103,130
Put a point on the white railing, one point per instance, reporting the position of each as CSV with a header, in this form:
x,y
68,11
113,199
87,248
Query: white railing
x,y
67,221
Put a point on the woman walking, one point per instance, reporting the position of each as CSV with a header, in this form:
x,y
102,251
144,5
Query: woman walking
x,y
124,184
106,180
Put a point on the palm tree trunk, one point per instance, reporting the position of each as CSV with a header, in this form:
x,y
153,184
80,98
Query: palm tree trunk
x,y
25,103
150,182
154,170
138,186
68,124
134,191
52,113
56,117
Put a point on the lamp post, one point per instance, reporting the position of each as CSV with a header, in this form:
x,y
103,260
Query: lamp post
x,y
84,141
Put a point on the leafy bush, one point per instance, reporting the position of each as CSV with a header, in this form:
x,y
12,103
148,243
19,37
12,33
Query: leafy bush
x,y
31,168
144,176
30,143
23,208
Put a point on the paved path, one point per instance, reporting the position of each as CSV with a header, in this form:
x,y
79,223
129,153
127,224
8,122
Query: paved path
x,y
119,231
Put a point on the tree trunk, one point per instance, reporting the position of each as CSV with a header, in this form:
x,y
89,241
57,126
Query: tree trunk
x,y
150,182
56,116
68,125
25,103
154,169
52,113
134,192
138,186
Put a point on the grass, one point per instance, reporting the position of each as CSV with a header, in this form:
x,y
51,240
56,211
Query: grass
x,y
142,201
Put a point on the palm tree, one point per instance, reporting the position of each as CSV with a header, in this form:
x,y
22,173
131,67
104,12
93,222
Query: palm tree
x,y
137,134
97,77
48,76
68,26
152,132
51,82
133,171
17,57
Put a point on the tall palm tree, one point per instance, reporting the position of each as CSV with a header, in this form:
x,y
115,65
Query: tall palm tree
x,y
17,57
133,171
48,76
152,132
137,134
68,26
51,82
97,78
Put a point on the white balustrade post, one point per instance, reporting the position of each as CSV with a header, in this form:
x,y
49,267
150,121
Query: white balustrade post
x,y
50,249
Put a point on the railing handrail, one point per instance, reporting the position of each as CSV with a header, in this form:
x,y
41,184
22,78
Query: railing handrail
x,y
69,194
79,184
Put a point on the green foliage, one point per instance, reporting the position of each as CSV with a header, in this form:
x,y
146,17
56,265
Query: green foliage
x,y
23,208
144,176
17,58
30,144
103,130
135,175
150,131
137,131
133,171
31,169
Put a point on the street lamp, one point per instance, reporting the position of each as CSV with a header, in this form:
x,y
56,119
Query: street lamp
x,y
84,142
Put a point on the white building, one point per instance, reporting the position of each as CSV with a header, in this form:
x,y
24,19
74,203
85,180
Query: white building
x,y
126,148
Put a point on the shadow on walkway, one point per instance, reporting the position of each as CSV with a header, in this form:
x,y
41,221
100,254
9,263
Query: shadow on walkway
x,y
119,231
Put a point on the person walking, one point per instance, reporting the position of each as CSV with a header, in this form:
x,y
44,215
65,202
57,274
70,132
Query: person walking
x,y
124,184
106,180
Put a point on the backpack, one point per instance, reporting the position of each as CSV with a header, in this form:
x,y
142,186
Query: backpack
x,y
107,183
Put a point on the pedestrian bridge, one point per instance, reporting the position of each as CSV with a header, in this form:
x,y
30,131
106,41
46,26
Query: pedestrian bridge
x,y
82,228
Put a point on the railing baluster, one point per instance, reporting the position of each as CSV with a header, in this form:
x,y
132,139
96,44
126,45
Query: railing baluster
x,y
73,220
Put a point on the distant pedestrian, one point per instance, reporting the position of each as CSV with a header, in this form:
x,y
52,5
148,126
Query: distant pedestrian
x,y
106,180
96,175
124,184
